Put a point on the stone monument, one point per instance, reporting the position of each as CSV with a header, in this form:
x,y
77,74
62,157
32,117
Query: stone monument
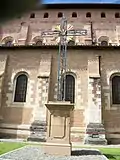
x,y
58,128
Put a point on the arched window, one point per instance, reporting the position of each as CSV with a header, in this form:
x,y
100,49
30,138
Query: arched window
x,y
8,43
74,14
60,14
46,15
38,43
69,88
117,15
103,40
21,88
88,14
116,90
32,15
104,43
103,15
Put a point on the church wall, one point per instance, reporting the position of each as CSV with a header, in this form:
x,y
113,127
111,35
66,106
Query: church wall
x,y
110,64
34,26
21,115
16,113
28,61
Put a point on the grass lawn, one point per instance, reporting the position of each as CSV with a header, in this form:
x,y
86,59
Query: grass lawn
x,y
111,153
9,146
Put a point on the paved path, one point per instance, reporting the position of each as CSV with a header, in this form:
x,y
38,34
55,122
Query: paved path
x,y
74,144
36,153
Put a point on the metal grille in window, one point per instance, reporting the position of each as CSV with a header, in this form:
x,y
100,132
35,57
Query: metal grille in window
x,y
116,90
21,88
69,89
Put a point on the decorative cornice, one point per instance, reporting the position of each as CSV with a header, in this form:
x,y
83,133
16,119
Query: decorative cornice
x,y
48,47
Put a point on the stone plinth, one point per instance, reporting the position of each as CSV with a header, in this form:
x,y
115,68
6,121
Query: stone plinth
x,y
95,134
58,128
37,132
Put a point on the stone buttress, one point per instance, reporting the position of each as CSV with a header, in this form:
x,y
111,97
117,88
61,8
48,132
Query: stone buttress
x,y
95,132
38,127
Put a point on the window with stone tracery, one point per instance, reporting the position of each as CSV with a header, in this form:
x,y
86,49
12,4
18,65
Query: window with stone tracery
x,y
69,89
116,90
21,88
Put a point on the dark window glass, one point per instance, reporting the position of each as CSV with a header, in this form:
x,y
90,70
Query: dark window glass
x,y
88,14
103,15
32,15
8,43
21,88
74,14
60,14
46,15
116,90
69,89
38,43
71,43
117,15
104,43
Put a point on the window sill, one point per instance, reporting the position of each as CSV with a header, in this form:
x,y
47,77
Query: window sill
x,y
18,104
115,107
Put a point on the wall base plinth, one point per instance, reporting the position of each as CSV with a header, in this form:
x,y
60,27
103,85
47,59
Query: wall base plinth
x,y
37,132
95,134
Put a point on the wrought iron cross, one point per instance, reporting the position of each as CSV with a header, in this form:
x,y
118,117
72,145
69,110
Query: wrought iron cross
x,y
62,56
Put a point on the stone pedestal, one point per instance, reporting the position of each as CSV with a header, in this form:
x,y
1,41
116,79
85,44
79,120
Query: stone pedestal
x,y
58,128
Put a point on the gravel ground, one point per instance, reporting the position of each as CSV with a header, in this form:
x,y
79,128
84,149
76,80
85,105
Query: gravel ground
x,y
36,153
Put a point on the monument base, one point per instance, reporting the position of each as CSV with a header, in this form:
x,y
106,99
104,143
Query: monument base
x,y
58,149
95,134
58,128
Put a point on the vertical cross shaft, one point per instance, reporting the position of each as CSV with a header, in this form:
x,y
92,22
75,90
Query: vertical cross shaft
x,y
62,60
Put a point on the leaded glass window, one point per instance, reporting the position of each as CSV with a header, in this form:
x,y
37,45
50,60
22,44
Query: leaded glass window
x,y
69,88
116,90
21,88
